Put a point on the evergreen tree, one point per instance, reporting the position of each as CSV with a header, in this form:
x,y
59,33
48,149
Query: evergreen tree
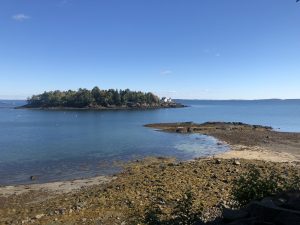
x,y
92,98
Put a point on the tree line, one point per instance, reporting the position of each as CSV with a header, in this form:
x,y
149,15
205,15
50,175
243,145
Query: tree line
x,y
93,98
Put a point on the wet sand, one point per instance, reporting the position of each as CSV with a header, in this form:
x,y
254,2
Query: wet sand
x,y
60,187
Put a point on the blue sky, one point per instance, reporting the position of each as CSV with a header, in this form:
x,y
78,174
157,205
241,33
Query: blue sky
x,y
204,49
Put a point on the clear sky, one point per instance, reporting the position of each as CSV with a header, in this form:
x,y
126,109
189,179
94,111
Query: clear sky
x,y
204,49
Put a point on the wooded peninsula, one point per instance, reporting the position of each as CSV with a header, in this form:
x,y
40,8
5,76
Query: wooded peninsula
x,y
99,99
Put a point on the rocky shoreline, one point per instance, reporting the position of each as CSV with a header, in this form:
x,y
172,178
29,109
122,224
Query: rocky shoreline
x,y
240,135
112,107
124,198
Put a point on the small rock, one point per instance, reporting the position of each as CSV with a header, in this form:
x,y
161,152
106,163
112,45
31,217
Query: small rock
x,y
33,177
236,162
268,202
25,221
61,211
39,216
214,176
162,166
190,129
218,161
83,219
181,130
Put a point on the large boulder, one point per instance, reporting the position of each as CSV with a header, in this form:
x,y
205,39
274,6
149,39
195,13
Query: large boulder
x,y
273,214
233,215
181,130
283,209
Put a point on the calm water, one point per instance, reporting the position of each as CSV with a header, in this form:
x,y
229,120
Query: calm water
x,y
56,145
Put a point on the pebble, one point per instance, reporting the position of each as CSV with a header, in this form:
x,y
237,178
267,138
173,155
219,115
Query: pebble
x,y
236,162
33,177
218,161
61,211
25,221
39,216
214,176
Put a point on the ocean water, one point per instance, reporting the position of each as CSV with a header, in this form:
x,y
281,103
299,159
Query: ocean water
x,y
62,145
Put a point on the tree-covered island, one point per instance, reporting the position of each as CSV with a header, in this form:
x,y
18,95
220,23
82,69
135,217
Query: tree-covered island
x,y
99,99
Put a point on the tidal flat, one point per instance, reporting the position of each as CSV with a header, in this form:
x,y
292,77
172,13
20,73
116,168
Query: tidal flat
x,y
124,198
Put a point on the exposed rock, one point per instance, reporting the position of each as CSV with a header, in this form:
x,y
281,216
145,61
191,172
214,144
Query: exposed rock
x,y
238,134
62,211
289,200
230,215
282,209
218,161
214,176
33,177
190,129
181,130
25,221
274,215
39,216
236,163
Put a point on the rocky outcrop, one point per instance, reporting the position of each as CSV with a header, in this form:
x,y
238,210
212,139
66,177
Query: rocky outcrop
x,y
185,129
283,209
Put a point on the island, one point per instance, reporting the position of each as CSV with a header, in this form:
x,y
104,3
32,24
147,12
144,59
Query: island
x,y
99,99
